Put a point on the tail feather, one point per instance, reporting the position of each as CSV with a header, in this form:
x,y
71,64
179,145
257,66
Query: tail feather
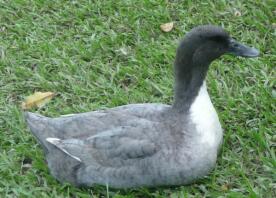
x,y
61,163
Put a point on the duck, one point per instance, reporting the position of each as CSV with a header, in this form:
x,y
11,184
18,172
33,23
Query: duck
x,y
145,145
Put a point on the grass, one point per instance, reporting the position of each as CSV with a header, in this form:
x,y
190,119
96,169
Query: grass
x,y
99,54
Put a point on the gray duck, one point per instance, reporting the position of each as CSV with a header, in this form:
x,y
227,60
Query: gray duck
x,y
145,144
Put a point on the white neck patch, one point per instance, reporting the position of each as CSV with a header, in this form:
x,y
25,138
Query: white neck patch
x,y
205,118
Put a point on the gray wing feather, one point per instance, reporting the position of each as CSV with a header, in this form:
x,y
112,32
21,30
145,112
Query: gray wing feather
x,y
115,144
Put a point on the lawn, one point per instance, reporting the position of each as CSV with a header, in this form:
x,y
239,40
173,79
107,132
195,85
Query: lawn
x,y
100,54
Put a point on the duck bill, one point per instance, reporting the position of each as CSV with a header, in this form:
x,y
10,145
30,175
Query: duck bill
x,y
238,49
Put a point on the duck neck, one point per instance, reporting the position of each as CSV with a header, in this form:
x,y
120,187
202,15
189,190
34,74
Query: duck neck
x,y
190,71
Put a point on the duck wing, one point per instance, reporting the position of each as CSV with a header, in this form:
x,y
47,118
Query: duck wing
x,y
108,148
84,125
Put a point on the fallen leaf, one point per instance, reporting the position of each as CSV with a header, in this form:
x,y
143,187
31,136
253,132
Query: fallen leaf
x,y
167,27
38,99
237,13
225,187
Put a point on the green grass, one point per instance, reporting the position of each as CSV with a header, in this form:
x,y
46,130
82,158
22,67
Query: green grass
x,y
100,54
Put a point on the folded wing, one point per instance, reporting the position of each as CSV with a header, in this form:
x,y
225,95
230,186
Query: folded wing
x,y
118,144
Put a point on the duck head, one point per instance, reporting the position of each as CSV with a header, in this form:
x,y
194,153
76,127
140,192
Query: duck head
x,y
208,42
201,46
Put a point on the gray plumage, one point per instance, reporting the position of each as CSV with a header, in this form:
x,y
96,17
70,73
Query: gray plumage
x,y
144,144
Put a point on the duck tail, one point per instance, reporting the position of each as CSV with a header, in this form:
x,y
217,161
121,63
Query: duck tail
x,y
39,127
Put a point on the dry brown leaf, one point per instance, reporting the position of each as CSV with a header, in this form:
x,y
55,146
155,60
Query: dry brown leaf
x,y
167,27
225,187
38,99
